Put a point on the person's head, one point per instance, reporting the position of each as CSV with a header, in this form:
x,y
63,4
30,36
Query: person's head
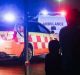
x,y
72,17
54,46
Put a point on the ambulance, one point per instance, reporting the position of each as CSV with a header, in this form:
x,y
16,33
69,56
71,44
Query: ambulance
x,y
53,22
12,40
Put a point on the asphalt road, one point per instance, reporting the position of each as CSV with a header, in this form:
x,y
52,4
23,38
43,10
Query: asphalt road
x,y
12,70
34,68
31,69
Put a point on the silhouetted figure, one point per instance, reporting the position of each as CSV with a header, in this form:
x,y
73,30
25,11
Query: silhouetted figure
x,y
52,60
70,43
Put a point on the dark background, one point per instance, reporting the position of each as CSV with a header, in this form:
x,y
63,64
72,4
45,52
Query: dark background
x,y
34,6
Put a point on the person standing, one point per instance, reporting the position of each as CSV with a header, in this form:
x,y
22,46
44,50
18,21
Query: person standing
x,y
52,59
69,37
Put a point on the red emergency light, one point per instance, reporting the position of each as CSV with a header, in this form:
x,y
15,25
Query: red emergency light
x,y
63,13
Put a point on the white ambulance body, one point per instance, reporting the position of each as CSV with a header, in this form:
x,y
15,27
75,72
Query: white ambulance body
x,y
53,22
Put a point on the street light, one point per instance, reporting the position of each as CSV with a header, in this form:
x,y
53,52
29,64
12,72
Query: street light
x,y
59,2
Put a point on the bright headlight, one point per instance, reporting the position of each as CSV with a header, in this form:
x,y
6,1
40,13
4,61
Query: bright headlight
x,y
1,41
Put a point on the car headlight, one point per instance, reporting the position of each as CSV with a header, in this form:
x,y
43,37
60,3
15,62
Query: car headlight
x,y
1,41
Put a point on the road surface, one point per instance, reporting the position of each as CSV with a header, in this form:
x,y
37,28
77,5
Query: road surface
x,y
31,69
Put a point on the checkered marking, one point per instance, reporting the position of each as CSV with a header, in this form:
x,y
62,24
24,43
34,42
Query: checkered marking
x,y
39,41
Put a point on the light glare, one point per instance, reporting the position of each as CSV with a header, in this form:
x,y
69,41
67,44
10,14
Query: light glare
x,y
63,13
59,0
1,41
44,12
9,17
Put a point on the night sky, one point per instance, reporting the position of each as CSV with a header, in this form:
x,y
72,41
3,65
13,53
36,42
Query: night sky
x,y
74,3
34,6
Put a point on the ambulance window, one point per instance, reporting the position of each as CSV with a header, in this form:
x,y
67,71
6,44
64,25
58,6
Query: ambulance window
x,y
37,27
43,29
33,27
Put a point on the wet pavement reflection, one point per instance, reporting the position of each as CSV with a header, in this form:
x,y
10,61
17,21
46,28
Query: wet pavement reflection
x,y
31,69
37,69
12,70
